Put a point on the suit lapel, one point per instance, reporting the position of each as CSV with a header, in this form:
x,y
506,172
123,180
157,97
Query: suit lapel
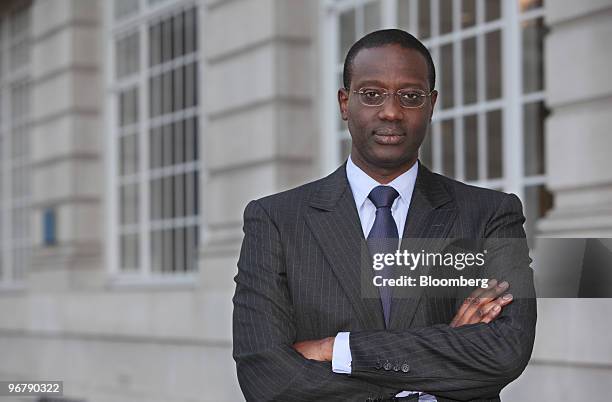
x,y
334,222
431,215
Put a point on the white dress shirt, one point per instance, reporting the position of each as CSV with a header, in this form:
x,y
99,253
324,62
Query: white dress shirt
x,y
361,185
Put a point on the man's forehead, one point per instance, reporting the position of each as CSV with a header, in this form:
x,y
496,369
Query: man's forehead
x,y
388,60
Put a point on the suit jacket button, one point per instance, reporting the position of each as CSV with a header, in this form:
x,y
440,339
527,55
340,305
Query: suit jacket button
x,y
405,367
378,364
396,367
387,365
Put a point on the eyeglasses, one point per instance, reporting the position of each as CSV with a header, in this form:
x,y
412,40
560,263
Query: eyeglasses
x,y
408,98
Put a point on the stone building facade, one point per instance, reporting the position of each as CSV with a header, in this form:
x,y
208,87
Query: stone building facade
x,y
134,132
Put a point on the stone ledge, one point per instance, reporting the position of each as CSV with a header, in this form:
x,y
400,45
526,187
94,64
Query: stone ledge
x,y
559,11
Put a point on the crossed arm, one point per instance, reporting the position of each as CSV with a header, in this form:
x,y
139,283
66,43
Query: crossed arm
x,y
482,306
474,356
264,330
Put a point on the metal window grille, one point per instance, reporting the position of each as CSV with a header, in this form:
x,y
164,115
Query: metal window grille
x,y
15,183
154,147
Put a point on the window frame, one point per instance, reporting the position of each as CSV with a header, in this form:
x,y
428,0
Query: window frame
x,y
11,78
114,28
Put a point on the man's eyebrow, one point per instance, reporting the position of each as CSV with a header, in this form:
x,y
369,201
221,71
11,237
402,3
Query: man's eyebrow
x,y
407,84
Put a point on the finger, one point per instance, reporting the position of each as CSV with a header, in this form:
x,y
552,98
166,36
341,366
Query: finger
x,y
305,348
299,350
505,299
493,292
470,300
491,313
480,314
492,310
471,314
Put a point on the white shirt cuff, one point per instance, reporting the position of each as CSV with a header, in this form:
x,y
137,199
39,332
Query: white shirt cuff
x,y
341,354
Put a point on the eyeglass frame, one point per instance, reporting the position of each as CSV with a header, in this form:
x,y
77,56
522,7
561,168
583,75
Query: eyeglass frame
x,y
386,94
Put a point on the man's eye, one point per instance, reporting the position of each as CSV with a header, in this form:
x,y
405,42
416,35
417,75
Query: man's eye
x,y
410,95
371,94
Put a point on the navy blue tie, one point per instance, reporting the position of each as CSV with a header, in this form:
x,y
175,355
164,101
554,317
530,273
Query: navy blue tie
x,y
383,237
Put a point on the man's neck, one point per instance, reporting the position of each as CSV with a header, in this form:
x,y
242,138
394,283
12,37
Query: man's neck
x,y
381,174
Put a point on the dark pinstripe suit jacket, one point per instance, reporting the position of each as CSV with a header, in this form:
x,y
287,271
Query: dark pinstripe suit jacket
x,y
299,278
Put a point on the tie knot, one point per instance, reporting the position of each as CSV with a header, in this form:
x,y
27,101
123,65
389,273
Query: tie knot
x,y
383,196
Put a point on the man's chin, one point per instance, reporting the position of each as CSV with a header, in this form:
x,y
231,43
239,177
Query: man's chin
x,y
391,160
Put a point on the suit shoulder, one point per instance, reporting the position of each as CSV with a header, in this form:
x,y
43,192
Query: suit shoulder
x,y
469,195
288,202
485,212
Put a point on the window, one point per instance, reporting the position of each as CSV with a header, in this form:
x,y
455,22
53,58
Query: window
x,y
156,137
15,183
488,124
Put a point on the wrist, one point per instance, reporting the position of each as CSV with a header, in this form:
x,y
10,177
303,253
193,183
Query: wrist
x,y
328,348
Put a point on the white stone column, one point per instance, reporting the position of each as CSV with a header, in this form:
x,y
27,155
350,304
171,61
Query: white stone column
x,y
67,168
258,137
578,62
260,129
572,356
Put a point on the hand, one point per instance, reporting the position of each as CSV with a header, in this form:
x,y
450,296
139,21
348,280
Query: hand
x,y
319,349
483,305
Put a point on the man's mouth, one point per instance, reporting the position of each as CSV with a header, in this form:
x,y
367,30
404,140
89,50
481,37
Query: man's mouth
x,y
388,137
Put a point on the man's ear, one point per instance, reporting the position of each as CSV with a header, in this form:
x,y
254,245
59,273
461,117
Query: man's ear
x,y
343,98
432,99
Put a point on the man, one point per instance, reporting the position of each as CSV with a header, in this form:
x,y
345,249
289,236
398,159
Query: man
x,y
303,330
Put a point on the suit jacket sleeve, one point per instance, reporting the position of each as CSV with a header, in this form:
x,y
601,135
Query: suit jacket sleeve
x,y
264,329
469,362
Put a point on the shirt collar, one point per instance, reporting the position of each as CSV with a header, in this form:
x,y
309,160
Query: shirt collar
x,y
362,184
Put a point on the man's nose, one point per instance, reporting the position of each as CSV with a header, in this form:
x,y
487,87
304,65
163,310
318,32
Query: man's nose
x,y
391,109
